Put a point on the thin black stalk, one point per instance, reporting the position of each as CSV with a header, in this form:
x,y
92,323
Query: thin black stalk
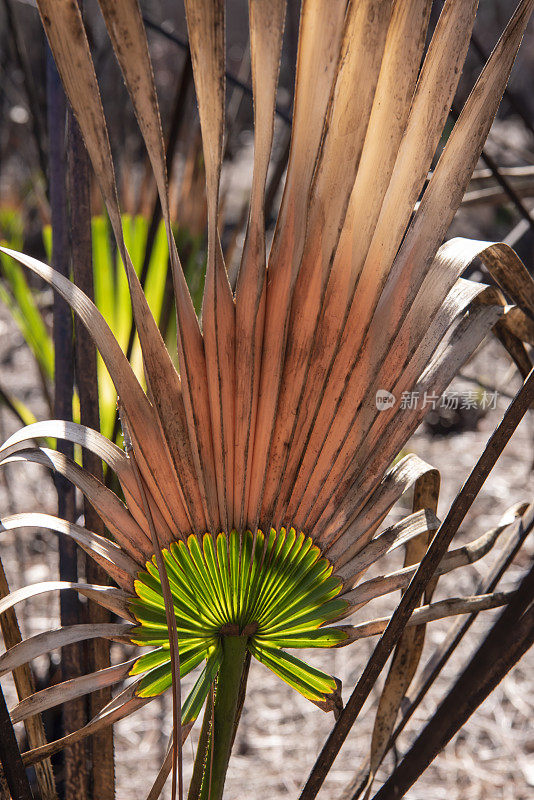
x,y
440,543
230,77
98,650
14,773
499,177
178,115
507,186
508,640
74,715
275,179
520,531
510,95
36,120
235,99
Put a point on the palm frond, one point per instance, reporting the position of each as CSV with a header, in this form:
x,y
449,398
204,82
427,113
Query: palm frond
x,y
272,418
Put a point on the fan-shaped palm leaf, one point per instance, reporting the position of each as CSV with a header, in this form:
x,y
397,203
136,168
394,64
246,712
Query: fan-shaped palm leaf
x,y
257,475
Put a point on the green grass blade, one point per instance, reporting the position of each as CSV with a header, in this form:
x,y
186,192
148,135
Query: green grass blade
x,y
19,298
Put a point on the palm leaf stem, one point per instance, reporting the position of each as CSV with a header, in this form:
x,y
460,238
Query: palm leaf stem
x,y
242,693
224,713
202,750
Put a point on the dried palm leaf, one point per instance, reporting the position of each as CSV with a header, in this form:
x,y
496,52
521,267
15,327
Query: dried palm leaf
x,y
273,417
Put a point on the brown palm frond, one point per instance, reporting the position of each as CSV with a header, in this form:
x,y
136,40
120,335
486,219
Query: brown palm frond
x,y
257,474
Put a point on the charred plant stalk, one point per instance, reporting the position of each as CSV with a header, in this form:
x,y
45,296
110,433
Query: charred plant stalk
x,y
508,640
36,120
14,772
70,608
25,686
463,502
440,657
102,766
505,185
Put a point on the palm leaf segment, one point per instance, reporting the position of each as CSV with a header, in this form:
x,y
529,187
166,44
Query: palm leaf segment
x,y
278,592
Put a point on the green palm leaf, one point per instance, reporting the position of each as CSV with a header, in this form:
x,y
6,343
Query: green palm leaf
x,y
213,596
